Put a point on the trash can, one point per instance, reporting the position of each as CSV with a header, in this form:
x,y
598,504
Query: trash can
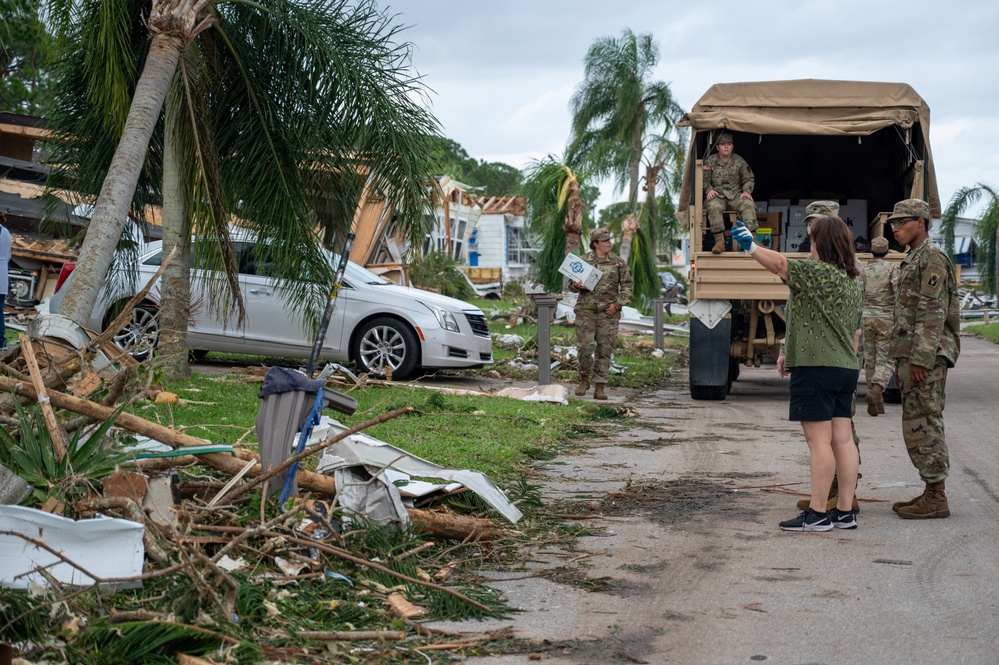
x,y
287,396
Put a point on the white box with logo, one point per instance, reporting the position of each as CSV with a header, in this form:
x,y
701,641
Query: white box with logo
x,y
576,269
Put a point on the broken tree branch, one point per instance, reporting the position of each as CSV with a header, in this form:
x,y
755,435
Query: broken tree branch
x,y
55,431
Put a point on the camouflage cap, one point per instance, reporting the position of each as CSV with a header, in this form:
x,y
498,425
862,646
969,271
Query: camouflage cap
x,y
820,208
724,137
879,246
911,208
599,235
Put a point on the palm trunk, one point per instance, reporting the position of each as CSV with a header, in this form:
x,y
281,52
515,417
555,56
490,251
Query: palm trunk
x,y
629,226
175,306
111,209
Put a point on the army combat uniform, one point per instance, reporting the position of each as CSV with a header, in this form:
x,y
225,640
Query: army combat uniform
x,y
729,179
925,334
596,330
879,315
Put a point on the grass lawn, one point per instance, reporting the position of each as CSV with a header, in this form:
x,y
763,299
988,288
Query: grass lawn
x,y
495,435
989,332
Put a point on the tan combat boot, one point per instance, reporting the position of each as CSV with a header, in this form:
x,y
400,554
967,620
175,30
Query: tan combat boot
x,y
584,385
899,505
598,392
875,400
719,245
931,505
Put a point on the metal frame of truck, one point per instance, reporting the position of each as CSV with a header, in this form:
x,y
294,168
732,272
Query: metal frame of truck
x,y
805,140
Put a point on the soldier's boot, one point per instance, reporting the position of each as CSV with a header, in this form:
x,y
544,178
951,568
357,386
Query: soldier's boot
x,y
875,400
598,391
899,505
719,245
932,504
584,385
831,501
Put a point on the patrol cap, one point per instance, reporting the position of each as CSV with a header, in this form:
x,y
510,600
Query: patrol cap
x,y
820,208
724,137
599,235
879,246
911,208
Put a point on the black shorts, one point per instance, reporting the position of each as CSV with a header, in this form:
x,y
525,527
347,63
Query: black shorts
x,y
822,393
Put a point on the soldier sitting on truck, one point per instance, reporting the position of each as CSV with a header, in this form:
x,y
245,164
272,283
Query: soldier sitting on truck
x,y
728,185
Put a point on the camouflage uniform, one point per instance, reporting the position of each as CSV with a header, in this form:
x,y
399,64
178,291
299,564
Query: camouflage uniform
x,y
925,334
729,179
879,307
596,330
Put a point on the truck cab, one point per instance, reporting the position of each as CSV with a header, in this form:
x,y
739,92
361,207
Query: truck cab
x,y
863,144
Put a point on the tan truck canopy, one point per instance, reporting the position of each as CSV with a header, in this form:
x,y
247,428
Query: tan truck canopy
x,y
831,111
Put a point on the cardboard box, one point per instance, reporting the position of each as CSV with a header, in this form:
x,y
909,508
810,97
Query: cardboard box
x,y
854,213
765,237
576,269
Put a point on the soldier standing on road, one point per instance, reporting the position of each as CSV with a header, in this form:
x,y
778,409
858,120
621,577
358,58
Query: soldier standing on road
x,y
925,342
879,314
599,311
728,185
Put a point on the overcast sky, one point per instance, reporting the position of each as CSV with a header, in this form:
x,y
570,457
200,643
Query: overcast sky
x,y
502,72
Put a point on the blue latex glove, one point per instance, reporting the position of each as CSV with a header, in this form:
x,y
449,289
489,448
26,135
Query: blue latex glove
x,y
744,237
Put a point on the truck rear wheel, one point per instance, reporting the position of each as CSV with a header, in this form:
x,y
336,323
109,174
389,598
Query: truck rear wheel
x,y
710,367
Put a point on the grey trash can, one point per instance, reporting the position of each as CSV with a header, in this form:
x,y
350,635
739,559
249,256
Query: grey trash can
x,y
286,398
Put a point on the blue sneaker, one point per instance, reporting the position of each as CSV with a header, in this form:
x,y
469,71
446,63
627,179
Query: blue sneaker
x,y
808,521
843,519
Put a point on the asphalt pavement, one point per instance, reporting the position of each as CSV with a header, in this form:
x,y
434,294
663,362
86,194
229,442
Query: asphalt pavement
x,y
716,581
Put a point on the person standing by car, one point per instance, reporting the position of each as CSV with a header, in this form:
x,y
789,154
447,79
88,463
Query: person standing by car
x,y
823,330
879,308
728,185
598,312
924,340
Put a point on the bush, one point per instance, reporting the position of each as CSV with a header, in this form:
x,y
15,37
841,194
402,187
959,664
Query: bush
x,y
436,271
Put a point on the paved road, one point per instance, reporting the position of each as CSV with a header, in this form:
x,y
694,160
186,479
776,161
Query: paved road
x,y
715,580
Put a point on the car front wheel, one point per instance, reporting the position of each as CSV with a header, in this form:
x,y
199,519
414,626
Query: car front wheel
x,y
386,343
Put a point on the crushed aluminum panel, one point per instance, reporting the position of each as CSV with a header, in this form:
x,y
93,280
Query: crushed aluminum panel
x,y
63,328
108,547
709,312
368,451
373,497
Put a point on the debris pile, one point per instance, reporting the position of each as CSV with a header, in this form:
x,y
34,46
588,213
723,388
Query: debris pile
x,y
138,541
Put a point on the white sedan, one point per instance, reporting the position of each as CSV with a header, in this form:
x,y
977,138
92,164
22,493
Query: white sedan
x,y
376,324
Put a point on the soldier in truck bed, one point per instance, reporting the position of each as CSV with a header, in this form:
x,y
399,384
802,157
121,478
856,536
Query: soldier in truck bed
x,y
728,185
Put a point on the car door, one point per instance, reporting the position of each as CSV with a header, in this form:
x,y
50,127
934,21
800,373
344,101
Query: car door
x,y
272,325
210,328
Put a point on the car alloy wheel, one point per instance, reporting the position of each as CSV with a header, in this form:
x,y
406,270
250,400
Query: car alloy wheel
x,y
140,336
386,343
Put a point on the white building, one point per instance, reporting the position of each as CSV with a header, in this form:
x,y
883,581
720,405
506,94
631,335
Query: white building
x,y
964,246
500,240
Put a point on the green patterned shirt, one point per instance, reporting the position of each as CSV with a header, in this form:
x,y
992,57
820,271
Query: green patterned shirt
x,y
823,313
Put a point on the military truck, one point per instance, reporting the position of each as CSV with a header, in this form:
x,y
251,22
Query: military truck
x,y
864,144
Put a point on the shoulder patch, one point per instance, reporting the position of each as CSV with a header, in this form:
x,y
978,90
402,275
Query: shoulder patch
x,y
933,281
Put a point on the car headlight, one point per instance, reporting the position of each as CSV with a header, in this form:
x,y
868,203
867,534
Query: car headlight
x,y
444,318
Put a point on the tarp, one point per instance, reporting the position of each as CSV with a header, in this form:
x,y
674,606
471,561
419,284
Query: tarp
x,y
812,107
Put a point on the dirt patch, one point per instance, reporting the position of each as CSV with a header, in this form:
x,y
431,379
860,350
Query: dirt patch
x,y
673,501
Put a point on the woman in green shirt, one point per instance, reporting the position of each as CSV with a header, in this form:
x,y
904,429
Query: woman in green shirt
x,y
823,330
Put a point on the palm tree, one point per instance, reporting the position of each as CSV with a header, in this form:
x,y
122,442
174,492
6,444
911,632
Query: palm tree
x,y
555,212
986,234
271,103
617,109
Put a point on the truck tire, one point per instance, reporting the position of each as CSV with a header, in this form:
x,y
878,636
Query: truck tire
x,y
710,371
